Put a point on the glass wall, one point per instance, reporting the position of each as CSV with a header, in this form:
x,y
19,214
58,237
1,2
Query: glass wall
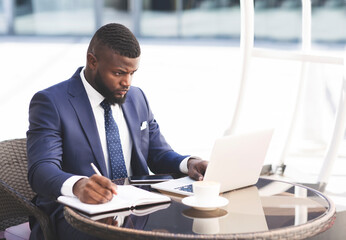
x,y
190,18
54,17
275,20
3,25
160,18
117,11
278,20
328,21
210,18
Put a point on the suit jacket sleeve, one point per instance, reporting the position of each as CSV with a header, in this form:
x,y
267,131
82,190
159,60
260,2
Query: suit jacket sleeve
x,y
44,147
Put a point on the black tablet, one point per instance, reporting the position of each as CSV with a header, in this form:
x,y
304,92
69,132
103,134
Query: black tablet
x,y
150,178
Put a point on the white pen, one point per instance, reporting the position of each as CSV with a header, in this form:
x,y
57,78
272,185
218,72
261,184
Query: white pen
x,y
95,169
98,172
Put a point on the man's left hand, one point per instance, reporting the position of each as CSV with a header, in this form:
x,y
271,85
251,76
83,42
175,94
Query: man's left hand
x,y
196,168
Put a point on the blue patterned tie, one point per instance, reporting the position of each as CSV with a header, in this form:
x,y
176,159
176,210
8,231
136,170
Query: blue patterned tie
x,y
115,152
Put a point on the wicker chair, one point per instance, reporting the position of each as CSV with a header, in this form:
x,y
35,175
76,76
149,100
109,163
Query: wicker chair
x,y
15,191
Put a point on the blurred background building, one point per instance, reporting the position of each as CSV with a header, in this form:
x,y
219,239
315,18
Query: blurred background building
x,y
276,20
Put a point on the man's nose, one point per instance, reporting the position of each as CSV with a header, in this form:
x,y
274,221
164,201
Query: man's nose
x,y
126,81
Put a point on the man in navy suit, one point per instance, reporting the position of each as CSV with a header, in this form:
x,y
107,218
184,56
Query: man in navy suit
x,y
67,131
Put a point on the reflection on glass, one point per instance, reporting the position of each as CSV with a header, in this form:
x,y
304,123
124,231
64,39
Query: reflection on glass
x,y
139,211
286,205
274,188
281,205
131,221
301,211
245,212
205,222
54,17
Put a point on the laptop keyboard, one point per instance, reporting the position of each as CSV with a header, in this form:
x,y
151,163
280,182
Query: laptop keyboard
x,y
186,188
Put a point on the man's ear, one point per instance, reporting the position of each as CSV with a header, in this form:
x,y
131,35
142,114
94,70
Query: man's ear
x,y
91,61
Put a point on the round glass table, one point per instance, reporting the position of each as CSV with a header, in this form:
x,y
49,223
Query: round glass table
x,y
271,209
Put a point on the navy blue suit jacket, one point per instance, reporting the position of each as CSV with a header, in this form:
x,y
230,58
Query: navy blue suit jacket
x,y
63,140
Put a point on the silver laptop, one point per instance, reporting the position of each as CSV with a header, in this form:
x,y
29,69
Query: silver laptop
x,y
236,161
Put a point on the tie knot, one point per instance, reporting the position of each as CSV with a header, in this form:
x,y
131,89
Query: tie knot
x,y
105,105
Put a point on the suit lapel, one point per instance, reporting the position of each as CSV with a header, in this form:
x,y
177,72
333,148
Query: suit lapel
x,y
132,120
82,107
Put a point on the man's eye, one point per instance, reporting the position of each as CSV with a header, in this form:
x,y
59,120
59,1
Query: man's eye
x,y
117,73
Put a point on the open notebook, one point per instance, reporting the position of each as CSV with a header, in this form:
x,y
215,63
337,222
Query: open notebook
x,y
128,197
236,161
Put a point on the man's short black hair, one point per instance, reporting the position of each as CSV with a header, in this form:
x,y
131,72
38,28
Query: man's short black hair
x,y
118,38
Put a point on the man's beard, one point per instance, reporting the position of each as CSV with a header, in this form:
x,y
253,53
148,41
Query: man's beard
x,y
104,91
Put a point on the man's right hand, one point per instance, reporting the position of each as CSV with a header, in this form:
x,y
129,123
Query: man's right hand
x,y
94,190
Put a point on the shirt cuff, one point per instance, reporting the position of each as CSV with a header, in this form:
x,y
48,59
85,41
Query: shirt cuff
x,y
67,186
183,165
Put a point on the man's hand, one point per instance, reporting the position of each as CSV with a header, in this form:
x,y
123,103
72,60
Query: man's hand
x,y
94,190
196,168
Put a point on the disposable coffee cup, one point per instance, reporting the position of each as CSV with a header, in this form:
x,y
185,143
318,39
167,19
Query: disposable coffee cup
x,y
206,192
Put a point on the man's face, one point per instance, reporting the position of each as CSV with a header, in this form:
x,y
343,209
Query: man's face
x,y
113,75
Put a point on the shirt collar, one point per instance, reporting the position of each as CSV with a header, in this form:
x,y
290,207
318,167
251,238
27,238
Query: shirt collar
x,y
95,97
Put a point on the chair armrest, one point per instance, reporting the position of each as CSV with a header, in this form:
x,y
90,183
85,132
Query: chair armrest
x,y
25,207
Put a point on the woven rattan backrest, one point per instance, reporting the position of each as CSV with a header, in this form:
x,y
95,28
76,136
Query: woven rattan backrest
x,y
13,162
15,191
13,177
10,213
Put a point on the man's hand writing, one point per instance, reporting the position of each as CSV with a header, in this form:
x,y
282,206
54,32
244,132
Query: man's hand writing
x,y
94,190
196,168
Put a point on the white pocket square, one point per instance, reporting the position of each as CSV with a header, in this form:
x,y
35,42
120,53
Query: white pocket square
x,y
144,125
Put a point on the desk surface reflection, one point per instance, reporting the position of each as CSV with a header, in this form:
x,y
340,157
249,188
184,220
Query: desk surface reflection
x,y
270,209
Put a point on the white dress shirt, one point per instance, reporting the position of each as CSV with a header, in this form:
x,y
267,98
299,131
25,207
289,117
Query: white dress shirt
x,y
95,99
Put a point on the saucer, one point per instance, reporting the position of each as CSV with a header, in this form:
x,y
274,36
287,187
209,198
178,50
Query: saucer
x,y
191,202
